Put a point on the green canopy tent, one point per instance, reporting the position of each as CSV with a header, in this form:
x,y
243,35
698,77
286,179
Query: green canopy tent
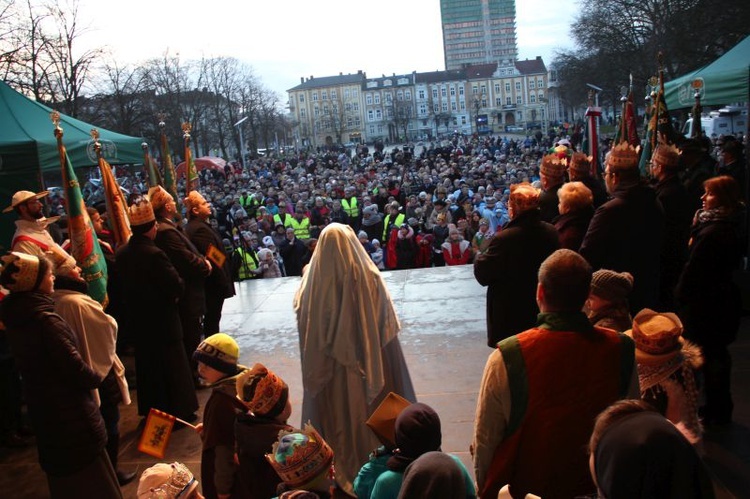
x,y
28,148
725,81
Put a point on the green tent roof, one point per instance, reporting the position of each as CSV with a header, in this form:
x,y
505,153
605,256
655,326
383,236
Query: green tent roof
x,y
27,139
725,81
28,147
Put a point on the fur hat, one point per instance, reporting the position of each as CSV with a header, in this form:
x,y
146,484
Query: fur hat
x,y
141,212
611,286
623,156
262,391
159,197
580,164
164,480
667,156
21,197
382,421
656,335
219,351
300,456
22,272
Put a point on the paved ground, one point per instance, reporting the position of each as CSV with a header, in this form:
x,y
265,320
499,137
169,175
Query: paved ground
x,y
442,312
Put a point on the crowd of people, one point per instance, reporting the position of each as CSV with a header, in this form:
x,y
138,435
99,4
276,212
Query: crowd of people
x,y
631,280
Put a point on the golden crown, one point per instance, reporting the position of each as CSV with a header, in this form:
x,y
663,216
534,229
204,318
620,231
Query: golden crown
x,y
141,212
554,164
24,279
666,155
623,156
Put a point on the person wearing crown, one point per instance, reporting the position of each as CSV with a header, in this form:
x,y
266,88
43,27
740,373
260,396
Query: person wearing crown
x,y
58,383
304,462
151,289
674,199
552,176
626,232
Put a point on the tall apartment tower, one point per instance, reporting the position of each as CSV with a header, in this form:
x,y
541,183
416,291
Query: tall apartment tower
x,y
478,31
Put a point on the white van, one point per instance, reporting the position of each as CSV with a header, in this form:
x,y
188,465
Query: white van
x,y
725,121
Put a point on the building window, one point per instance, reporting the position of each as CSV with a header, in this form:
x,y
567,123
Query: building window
x,y
531,84
302,97
453,106
508,101
388,97
541,96
324,95
518,86
540,83
497,88
325,108
370,115
389,113
333,94
377,98
372,129
316,111
445,107
474,89
461,91
507,87
315,96
434,93
462,106
349,122
498,101
519,100
356,121
407,94
380,128
348,107
532,99
453,91
302,112
378,115
346,94
483,88
355,107
463,120
355,94
484,102
436,108
400,95
422,109
421,94
442,92
368,99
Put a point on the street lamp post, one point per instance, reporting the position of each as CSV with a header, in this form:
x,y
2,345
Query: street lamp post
x,y
242,144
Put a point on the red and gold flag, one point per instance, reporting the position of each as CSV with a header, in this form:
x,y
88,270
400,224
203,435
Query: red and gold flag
x,y
117,205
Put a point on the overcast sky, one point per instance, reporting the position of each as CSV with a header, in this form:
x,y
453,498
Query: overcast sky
x,y
286,39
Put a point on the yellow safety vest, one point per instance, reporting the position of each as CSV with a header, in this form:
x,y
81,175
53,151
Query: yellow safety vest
x,y
248,264
301,228
351,209
287,219
399,220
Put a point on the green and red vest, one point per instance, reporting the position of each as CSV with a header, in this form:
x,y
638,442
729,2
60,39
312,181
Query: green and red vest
x,y
559,382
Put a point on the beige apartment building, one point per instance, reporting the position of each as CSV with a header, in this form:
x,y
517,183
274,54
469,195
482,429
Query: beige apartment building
x,y
510,96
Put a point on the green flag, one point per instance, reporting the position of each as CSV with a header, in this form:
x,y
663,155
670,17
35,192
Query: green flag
x,y
84,245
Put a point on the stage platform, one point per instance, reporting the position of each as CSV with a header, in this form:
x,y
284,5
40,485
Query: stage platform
x,y
442,313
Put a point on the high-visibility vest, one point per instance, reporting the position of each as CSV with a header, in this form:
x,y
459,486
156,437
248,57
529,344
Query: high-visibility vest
x,y
301,228
350,207
249,263
387,224
287,220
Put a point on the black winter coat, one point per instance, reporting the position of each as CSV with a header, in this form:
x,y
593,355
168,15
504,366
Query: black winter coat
x,y
509,270
69,428
711,303
625,235
219,281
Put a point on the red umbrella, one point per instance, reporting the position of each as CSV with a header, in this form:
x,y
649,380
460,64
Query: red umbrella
x,y
203,163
